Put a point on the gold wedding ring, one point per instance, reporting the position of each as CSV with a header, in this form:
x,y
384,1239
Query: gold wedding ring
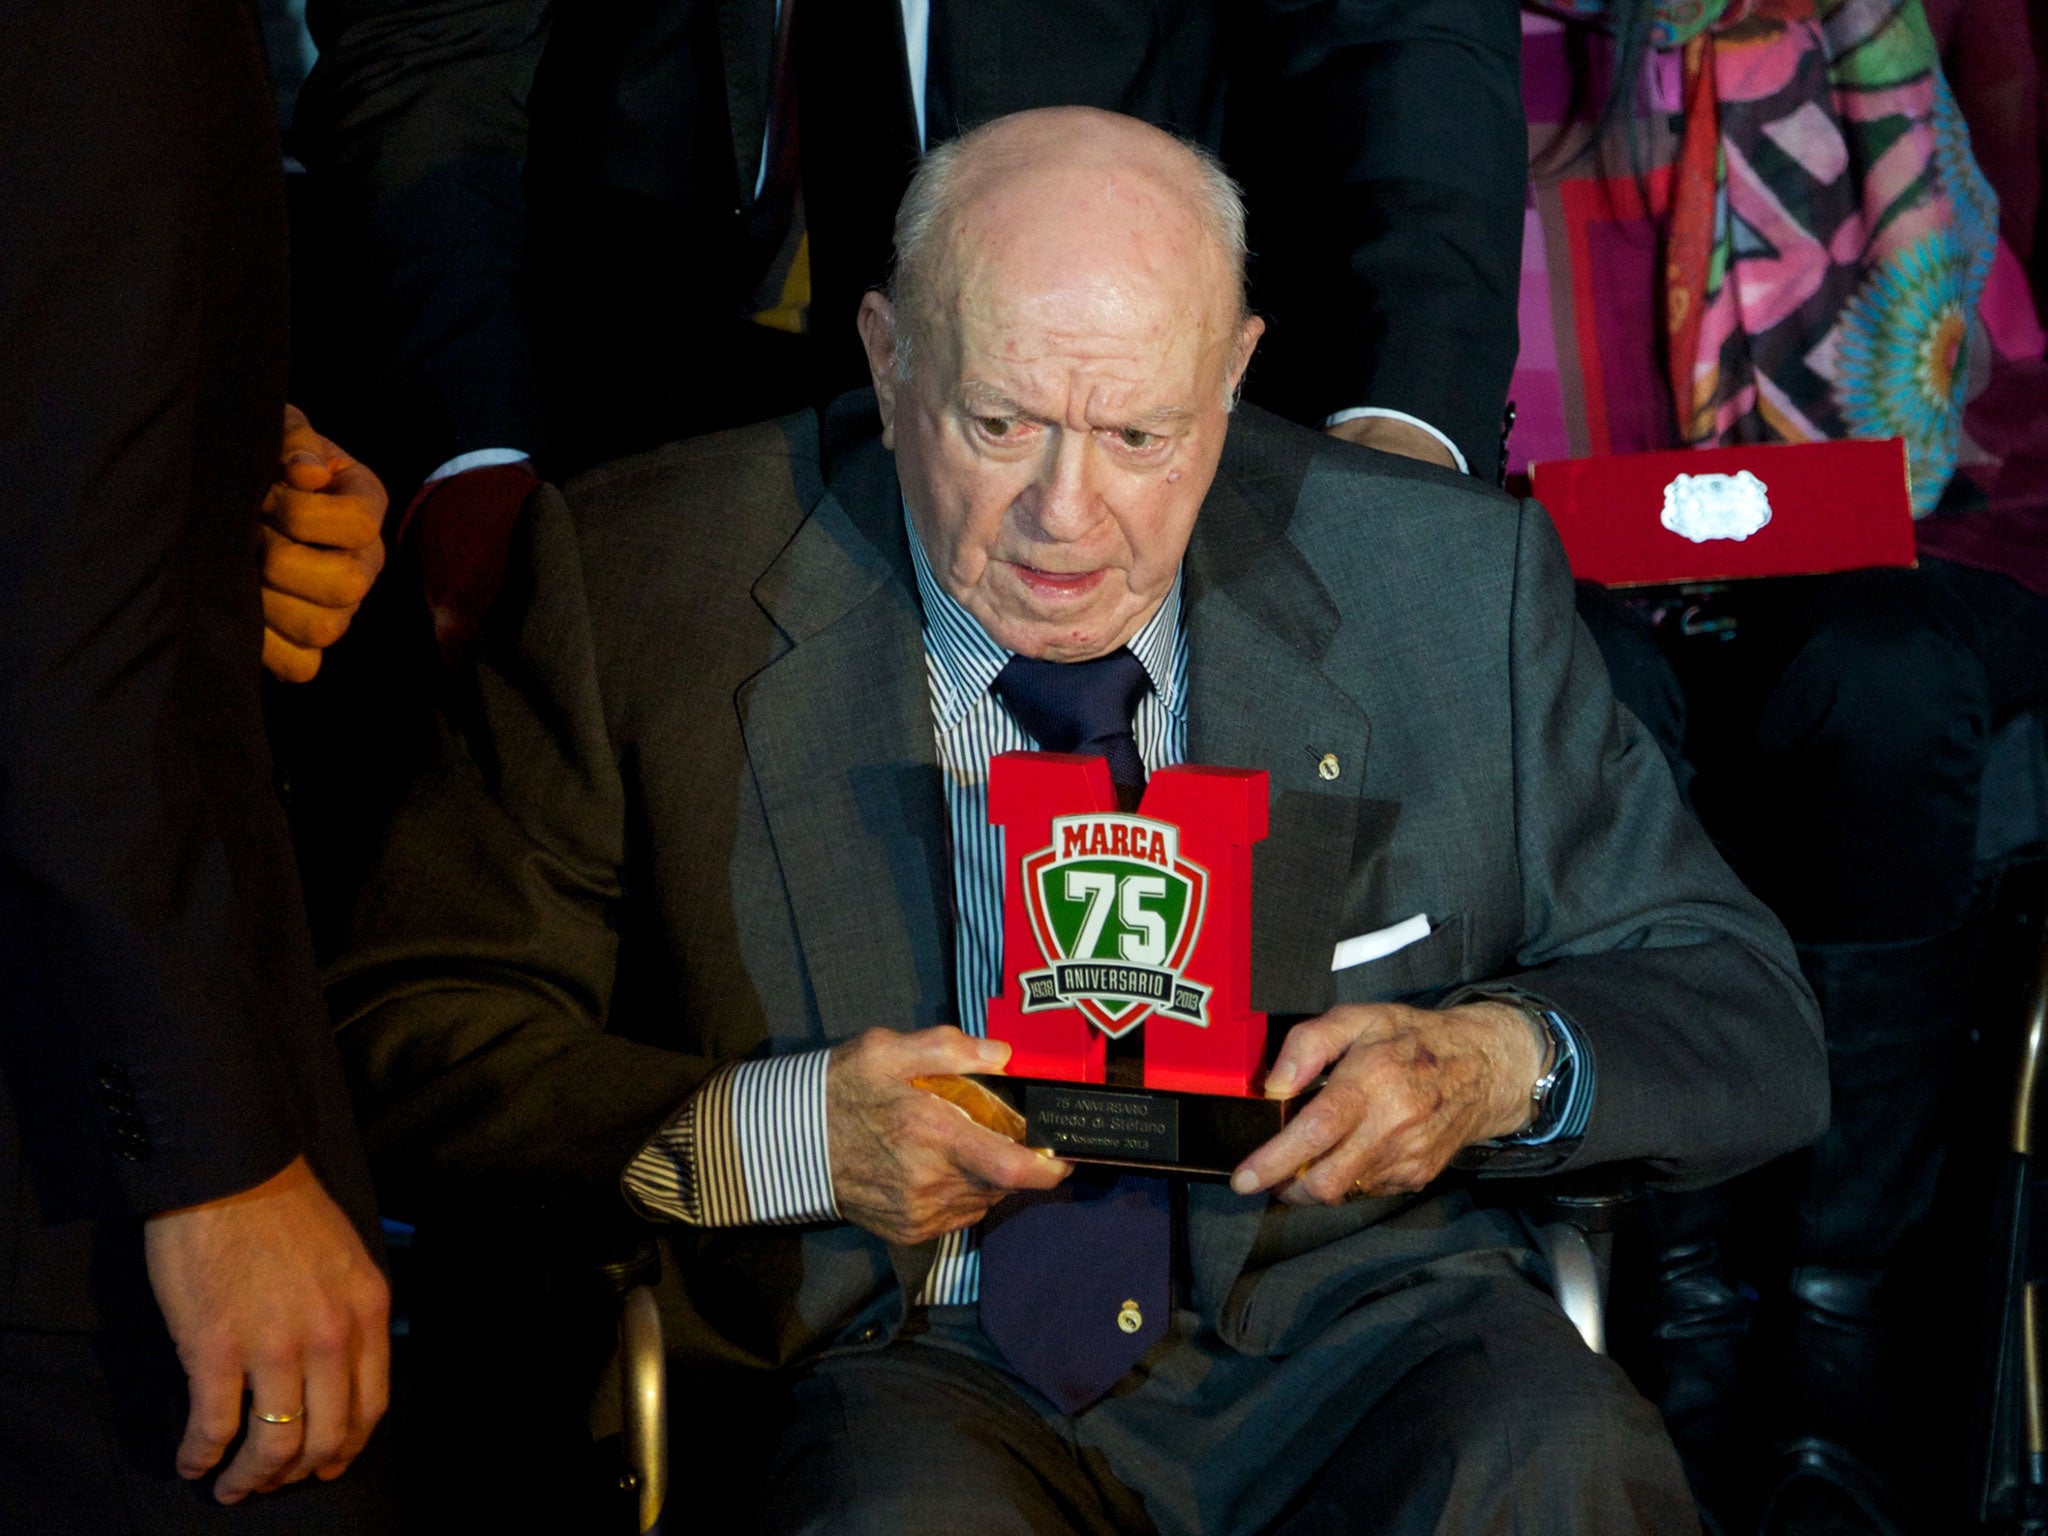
x,y
278,1418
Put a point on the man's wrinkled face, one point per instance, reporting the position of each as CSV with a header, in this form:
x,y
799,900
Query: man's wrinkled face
x,y
1062,421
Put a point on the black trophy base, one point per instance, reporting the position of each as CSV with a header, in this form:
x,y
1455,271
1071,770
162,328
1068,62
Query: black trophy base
x,y
1124,1123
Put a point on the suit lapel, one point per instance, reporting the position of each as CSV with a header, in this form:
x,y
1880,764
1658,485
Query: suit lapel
x,y
839,737
1259,623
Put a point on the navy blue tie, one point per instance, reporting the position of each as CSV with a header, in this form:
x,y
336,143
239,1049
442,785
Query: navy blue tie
x,y
1076,1281
1081,706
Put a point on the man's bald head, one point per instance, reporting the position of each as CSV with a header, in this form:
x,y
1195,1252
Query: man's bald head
x,y
1060,173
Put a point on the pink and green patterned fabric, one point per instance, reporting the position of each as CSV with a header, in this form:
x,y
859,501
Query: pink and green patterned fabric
x,y
1787,240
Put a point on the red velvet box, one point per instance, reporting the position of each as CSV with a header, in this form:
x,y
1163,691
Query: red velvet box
x,y
1720,514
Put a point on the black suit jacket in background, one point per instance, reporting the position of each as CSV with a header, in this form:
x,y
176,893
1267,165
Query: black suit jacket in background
x,y
531,221
161,1038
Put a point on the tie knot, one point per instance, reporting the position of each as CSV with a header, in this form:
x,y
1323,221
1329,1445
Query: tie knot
x,y
1076,706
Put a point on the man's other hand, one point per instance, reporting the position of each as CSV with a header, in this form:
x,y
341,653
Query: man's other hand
x,y
1390,435
322,548
272,1290
906,1165
1408,1089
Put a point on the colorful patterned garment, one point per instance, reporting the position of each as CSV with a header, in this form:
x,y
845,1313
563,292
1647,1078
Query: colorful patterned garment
x,y
1787,240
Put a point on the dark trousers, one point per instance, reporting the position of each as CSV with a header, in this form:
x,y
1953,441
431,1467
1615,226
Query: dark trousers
x,y
1465,1403
1835,748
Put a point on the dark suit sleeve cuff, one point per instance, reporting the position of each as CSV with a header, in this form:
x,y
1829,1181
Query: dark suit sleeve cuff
x,y
1558,1132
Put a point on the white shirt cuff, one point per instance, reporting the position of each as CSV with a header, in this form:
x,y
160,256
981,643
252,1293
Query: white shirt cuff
x,y
481,458
748,1149
1357,411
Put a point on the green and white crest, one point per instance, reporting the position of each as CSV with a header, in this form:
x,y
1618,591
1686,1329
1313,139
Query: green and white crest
x,y
1115,911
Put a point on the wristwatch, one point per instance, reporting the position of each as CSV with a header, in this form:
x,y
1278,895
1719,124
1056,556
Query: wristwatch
x,y
1533,1149
1544,1093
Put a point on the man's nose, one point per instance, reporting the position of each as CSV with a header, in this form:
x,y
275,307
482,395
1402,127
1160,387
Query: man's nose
x,y
1066,499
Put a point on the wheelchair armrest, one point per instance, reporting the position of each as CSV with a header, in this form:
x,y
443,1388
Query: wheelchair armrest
x,y
643,1369
1575,1280
1573,1223
643,1379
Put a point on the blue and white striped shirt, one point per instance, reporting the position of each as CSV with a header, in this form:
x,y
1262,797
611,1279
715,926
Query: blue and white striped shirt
x,y
750,1146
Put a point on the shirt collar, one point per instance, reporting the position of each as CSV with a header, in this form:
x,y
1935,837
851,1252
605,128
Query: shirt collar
x,y
965,660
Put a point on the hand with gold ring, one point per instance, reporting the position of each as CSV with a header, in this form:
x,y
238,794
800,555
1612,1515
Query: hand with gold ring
x,y
271,1297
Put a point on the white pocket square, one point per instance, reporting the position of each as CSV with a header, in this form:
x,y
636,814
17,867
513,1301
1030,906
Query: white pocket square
x,y
1380,943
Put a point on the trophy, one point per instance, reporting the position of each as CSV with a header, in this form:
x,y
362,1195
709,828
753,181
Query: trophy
x,y
1113,921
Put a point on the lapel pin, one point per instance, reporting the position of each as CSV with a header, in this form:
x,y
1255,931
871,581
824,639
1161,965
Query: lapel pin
x,y
1326,766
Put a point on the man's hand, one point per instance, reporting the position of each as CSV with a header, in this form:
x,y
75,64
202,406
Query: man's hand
x,y
906,1165
1390,435
1408,1089
272,1289
322,548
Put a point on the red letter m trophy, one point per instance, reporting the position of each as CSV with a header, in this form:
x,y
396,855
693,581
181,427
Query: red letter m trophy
x,y
1112,921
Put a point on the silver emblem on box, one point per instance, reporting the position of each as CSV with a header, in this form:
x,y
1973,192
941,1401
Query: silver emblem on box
x,y
1704,507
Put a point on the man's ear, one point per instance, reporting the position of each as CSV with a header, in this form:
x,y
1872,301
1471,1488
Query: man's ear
x,y
877,321
1248,335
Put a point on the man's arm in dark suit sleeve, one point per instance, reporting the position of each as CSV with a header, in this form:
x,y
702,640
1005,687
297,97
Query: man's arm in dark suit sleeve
x,y
477,979
1705,1040
413,129
1387,166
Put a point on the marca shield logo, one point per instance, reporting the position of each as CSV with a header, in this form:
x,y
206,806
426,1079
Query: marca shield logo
x,y
1116,911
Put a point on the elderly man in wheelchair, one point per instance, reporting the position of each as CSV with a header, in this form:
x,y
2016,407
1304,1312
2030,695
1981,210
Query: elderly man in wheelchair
x,y
704,890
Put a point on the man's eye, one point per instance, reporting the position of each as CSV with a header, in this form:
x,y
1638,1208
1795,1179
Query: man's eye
x,y
1131,437
997,426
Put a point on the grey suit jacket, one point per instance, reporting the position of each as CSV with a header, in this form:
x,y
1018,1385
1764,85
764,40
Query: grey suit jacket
x,y
692,813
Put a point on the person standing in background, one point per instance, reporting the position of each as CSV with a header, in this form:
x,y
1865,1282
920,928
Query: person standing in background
x,y
187,1275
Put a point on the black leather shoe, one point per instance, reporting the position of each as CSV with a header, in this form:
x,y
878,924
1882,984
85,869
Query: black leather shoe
x,y
1681,1330
1833,1471
1823,1490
